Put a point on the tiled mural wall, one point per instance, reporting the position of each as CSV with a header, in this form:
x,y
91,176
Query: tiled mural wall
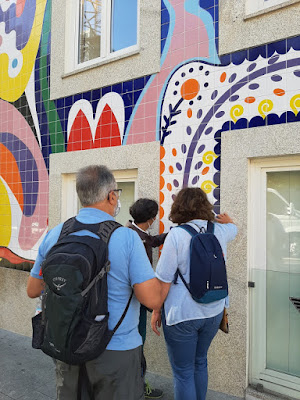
x,y
186,106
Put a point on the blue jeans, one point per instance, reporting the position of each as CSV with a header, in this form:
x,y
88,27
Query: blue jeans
x,y
187,345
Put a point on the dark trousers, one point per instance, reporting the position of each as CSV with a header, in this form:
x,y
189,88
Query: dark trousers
x,y
115,375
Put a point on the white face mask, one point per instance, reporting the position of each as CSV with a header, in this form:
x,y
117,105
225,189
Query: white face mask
x,y
118,208
150,226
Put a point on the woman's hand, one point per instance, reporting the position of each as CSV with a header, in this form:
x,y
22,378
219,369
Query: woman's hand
x,y
156,321
223,219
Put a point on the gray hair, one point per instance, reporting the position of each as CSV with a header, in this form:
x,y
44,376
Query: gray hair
x,y
93,183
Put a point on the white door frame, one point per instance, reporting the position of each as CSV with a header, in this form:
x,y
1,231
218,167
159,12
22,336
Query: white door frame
x,y
258,373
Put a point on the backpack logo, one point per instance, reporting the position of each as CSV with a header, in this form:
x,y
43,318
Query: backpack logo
x,y
59,282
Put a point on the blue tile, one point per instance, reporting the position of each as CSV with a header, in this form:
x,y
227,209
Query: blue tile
x,y
274,119
117,88
87,96
164,31
60,103
139,83
127,86
136,95
257,121
128,112
225,60
291,117
238,57
165,17
294,43
105,90
256,51
96,94
68,101
77,97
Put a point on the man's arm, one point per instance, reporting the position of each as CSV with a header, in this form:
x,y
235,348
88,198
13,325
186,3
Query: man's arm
x,y
149,293
35,287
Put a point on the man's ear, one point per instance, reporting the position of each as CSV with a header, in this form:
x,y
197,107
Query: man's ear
x,y
111,197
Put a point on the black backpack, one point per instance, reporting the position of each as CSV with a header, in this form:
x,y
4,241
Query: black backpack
x,y
75,274
208,278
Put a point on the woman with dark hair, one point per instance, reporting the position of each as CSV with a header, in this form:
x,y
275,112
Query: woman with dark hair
x,y
189,327
144,212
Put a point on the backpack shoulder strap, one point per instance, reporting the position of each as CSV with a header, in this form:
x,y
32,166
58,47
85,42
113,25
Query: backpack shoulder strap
x,y
192,231
67,227
102,229
210,227
124,313
106,229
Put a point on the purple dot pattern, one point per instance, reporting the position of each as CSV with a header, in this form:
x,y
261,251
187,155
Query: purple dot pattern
x,y
195,180
276,78
232,78
251,67
179,166
201,148
220,114
273,60
214,94
198,165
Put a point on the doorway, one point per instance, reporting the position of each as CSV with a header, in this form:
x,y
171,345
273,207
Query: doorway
x,y
274,275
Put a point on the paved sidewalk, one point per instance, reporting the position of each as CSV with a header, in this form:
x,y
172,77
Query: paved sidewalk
x,y
28,374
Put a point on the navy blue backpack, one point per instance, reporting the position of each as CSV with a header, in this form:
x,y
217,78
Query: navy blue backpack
x,y
208,278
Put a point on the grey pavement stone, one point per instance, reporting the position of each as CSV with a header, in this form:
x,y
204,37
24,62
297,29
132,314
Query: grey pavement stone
x,y
28,374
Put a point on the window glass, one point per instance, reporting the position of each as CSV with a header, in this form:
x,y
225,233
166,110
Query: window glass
x,y
283,271
89,30
124,24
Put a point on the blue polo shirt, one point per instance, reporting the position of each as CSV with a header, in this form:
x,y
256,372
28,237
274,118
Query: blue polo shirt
x,y
129,265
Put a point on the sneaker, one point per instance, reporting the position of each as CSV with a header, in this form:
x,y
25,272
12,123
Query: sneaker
x,y
152,393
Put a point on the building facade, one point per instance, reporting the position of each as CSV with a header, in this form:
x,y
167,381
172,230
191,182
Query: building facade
x,y
166,93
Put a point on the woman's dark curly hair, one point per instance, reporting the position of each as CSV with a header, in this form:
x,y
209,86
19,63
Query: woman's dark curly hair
x,y
143,210
191,203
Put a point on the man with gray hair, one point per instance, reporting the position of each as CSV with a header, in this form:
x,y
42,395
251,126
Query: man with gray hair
x,y
117,372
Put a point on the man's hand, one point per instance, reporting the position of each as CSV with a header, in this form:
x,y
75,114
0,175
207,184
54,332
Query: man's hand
x,y
223,219
156,321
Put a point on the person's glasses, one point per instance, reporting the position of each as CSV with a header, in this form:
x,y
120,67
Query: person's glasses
x,y
119,191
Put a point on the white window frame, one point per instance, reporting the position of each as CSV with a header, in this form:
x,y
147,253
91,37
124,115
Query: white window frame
x,y
258,373
257,7
73,42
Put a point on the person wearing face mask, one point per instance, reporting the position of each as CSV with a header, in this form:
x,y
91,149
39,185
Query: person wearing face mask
x,y
144,212
118,372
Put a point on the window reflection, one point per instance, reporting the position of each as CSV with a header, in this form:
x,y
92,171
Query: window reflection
x,y
90,30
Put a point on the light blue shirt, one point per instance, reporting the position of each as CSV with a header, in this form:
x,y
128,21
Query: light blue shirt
x,y
179,305
129,265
